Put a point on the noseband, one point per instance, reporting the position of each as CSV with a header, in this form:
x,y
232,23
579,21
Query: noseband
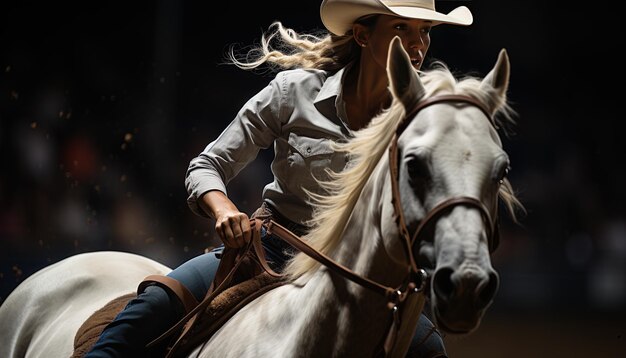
x,y
446,205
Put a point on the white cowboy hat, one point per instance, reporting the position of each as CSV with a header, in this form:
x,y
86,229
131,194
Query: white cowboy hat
x,y
339,15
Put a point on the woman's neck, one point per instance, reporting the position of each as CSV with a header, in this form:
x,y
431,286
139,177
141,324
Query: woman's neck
x,y
365,95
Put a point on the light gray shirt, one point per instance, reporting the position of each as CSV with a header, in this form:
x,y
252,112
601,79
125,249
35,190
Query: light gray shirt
x,y
300,112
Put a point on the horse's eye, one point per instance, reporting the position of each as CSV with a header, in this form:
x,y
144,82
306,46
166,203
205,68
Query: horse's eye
x,y
417,167
502,173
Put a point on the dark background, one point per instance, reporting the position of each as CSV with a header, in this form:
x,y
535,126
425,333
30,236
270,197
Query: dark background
x,y
103,105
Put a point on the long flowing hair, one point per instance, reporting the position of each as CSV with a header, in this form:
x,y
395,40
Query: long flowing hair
x,y
284,48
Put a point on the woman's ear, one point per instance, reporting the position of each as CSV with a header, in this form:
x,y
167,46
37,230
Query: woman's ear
x,y
360,33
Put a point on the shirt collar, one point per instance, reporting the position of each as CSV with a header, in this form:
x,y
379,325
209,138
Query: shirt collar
x,y
329,100
331,87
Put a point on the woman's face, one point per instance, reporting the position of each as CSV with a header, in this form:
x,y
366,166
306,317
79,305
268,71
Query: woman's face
x,y
414,33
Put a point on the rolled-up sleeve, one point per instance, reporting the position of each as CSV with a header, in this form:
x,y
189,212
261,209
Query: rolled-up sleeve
x,y
254,128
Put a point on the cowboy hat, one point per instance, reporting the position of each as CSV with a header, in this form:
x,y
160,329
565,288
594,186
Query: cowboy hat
x,y
339,15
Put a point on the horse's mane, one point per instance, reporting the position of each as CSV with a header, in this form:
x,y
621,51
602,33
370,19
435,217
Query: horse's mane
x,y
342,190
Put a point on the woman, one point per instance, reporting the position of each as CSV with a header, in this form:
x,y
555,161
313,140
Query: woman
x,y
329,87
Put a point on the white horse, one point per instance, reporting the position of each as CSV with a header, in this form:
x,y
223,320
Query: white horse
x,y
447,175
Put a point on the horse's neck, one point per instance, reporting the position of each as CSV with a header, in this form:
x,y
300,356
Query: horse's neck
x,y
355,311
363,248
322,314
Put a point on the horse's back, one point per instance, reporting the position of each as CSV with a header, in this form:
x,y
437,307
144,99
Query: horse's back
x,y
41,316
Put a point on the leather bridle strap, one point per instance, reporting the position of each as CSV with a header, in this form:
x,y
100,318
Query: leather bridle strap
x,y
397,205
444,98
448,205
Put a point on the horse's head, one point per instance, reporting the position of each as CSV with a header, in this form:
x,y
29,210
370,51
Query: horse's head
x,y
450,174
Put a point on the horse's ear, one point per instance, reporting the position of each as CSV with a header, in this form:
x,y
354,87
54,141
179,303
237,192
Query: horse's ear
x,y
404,82
498,78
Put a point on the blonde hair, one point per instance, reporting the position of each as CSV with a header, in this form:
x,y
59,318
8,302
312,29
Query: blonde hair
x,y
284,48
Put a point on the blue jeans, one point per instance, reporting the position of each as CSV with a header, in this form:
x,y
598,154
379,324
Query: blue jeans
x,y
154,311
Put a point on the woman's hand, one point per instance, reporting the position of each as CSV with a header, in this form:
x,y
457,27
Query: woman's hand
x,y
231,225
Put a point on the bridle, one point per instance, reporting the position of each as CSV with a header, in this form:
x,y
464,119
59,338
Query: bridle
x,y
433,214
416,278
446,205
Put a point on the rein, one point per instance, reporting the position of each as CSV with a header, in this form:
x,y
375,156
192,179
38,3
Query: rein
x,y
395,295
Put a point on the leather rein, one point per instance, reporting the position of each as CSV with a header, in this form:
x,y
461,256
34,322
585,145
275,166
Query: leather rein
x,y
416,279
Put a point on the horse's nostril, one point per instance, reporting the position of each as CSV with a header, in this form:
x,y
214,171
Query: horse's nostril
x,y
477,286
442,283
489,290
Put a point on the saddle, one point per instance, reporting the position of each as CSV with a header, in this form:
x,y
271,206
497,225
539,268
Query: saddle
x,y
90,330
242,275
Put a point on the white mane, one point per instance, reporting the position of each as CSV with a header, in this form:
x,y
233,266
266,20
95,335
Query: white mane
x,y
333,209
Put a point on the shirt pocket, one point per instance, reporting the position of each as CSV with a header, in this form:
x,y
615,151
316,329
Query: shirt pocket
x,y
310,158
